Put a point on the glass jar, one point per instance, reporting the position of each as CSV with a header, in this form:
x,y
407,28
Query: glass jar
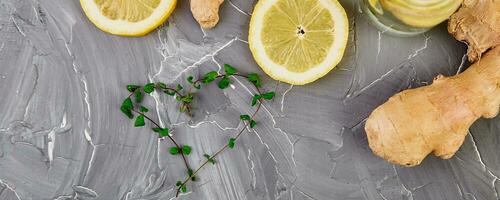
x,y
408,17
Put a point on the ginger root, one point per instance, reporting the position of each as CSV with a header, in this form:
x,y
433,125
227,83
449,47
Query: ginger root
x,y
477,23
435,118
206,12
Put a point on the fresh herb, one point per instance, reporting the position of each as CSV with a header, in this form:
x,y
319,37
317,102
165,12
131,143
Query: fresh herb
x,y
185,98
255,79
139,121
132,88
256,98
224,83
209,158
186,149
232,142
127,107
144,109
148,88
230,70
174,150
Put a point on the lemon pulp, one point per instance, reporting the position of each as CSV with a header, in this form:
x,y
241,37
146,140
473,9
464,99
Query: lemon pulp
x,y
298,41
128,17
128,10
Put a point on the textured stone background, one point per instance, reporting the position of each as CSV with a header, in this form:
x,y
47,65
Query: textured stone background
x,y
63,137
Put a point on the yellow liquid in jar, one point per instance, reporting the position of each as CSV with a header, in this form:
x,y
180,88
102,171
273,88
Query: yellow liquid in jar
x,y
410,15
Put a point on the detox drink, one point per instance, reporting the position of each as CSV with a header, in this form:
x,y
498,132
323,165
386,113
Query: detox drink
x,y
409,17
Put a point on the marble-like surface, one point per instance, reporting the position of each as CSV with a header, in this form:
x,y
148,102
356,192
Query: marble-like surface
x,y
62,135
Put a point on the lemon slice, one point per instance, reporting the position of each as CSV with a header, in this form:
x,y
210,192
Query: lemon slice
x,y
298,41
128,17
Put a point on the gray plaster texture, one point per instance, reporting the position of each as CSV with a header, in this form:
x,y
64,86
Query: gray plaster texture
x,y
62,135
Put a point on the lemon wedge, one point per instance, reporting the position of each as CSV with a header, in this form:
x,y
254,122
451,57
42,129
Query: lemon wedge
x,y
298,41
128,17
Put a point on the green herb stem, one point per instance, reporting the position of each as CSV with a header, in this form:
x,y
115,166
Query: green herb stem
x,y
247,124
186,99
188,108
169,137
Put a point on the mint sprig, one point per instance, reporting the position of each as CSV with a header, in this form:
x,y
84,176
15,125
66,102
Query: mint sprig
x,y
185,98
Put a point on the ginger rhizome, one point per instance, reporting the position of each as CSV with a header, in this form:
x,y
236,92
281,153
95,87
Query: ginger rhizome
x,y
477,23
206,12
435,118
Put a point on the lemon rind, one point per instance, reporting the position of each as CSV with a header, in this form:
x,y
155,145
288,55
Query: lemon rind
x,y
279,72
126,28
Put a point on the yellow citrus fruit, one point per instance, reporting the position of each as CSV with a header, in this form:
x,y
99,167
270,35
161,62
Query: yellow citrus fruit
x,y
128,17
298,41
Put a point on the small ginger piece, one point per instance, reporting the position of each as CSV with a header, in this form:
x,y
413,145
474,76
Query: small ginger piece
x,y
206,12
435,118
477,22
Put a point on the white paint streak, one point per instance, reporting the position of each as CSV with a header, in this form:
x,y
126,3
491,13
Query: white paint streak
x,y
284,96
421,48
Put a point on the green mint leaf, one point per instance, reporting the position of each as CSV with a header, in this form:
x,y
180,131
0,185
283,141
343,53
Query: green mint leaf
x,y
127,112
211,160
156,130
139,121
224,83
245,117
127,107
132,88
183,188
128,103
138,96
232,142
255,99
186,149
209,77
174,150
164,132
161,85
148,88
188,98
190,173
170,92
269,95
253,123
144,109
179,87
255,79
230,70
190,79
179,183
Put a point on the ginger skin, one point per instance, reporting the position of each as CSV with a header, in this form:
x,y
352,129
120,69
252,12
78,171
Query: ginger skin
x,y
477,22
435,118
206,12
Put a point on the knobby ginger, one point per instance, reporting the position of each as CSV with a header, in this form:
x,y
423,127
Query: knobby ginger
x,y
477,23
206,12
435,118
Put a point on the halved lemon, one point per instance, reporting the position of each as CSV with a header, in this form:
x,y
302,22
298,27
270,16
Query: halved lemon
x,y
128,17
298,41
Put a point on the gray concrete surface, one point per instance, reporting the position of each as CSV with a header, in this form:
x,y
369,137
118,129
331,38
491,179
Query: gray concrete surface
x,y
62,135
